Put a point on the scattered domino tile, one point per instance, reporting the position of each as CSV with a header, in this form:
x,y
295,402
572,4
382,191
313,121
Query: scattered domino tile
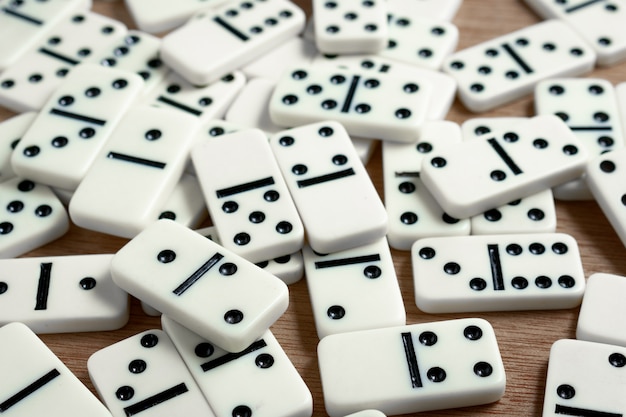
x,y
418,367
154,16
135,173
605,177
240,32
533,214
478,175
248,200
32,217
350,26
62,294
36,382
23,23
413,212
497,273
336,200
431,9
28,83
589,108
585,379
11,131
600,23
443,84
600,314
202,276
506,68
257,381
419,41
353,98
205,102
144,374
73,126
355,289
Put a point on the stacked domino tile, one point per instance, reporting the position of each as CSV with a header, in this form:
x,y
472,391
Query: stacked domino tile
x,y
600,252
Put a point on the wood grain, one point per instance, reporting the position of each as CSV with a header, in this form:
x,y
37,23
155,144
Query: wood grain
x,y
525,337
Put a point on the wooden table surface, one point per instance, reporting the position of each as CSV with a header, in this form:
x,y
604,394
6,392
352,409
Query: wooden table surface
x,y
524,337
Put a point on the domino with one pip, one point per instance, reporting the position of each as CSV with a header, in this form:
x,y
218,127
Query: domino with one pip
x,y
36,382
61,294
585,379
354,289
135,172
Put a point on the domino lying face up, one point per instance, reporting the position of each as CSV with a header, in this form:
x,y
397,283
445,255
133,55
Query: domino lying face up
x,y
200,284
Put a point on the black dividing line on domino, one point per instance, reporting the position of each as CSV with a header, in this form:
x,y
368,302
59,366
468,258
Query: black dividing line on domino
x,y
347,261
156,399
179,106
350,96
325,178
411,360
229,357
136,160
242,188
58,56
233,30
30,389
590,128
199,273
407,174
43,287
496,267
77,116
506,158
583,5
527,69
22,16
582,412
